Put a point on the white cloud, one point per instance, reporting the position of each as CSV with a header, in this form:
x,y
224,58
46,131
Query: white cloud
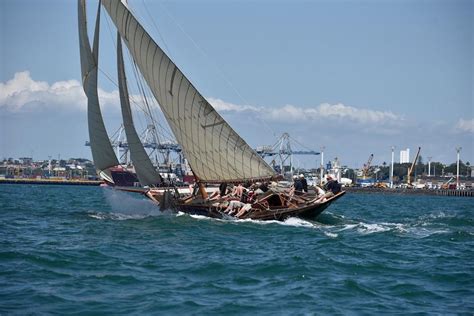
x,y
334,112
465,125
23,94
221,105
323,111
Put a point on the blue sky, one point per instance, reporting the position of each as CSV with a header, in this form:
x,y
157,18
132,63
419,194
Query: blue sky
x,y
354,76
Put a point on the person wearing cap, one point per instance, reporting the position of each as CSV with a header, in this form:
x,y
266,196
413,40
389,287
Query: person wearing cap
x,y
332,188
297,185
304,183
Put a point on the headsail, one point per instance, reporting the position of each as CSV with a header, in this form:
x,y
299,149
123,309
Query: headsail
x,y
215,152
146,173
102,151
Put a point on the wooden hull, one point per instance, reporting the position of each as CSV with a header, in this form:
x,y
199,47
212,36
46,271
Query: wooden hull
x,y
308,211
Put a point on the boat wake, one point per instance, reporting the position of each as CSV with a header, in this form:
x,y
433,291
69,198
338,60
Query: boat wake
x,y
126,206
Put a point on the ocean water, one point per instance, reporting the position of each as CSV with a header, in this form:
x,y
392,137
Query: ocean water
x,y
90,250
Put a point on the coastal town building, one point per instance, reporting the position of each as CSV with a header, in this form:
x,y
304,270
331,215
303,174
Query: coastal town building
x,y
405,156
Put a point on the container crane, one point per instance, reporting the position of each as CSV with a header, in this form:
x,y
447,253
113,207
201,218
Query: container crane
x,y
283,150
410,170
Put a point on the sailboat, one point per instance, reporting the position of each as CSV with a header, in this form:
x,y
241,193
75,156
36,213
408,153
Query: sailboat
x,y
214,151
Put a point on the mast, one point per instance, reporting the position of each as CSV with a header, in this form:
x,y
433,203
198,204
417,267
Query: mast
x,y
102,152
215,152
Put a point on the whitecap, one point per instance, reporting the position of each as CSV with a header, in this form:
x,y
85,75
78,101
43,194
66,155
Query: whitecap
x,y
97,216
199,216
331,235
347,226
365,228
298,222
418,232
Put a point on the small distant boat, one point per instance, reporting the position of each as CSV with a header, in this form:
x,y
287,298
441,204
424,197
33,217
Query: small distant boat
x,y
214,151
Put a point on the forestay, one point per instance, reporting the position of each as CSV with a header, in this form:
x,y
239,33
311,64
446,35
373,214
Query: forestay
x,y
146,173
215,152
102,151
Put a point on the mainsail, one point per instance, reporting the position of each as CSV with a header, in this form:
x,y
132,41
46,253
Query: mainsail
x,y
215,152
102,151
146,173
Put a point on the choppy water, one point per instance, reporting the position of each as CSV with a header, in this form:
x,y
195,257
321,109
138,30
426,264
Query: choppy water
x,y
89,250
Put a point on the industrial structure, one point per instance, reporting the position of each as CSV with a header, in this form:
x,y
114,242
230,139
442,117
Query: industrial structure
x,y
283,152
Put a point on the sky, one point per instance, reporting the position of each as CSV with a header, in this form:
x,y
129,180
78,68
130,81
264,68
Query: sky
x,y
356,77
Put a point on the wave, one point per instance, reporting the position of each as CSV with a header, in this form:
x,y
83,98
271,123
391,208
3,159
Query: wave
x,y
291,221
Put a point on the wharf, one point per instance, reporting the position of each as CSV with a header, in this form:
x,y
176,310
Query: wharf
x,y
51,182
406,191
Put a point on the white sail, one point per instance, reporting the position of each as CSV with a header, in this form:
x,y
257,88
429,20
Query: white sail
x,y
102,151
215,152
146,173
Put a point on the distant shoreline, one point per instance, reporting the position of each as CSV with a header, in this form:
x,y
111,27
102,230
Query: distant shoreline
x,y
439,192
51,182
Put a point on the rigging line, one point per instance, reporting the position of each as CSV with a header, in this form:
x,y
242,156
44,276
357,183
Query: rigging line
x,y
115,134
144,89
133,101
115,44
139,79
168,52
139,86
109,77
221,72
116,85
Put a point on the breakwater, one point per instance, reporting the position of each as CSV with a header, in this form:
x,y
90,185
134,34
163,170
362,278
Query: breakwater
x,y
51,182
407,191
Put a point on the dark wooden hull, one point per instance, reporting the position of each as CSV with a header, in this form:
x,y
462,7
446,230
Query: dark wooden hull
x,y
308,211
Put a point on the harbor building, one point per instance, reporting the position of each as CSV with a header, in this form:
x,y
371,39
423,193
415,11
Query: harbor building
x,y
405,156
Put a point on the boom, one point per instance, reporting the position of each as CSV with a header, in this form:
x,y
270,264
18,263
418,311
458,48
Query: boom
x,y
366,168
410,170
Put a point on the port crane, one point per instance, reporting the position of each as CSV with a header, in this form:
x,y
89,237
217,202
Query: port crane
x,y
365,169
282,149
410,170
149,140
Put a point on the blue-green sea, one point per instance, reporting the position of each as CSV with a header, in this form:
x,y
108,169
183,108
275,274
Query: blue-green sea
x,y
90,250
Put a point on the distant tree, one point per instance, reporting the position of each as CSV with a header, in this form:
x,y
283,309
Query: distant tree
x,y
463,168
436,168
400,170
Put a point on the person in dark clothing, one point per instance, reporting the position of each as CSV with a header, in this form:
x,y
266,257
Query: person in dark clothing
x,y
298,185
304,183
263,187
332,185
332,188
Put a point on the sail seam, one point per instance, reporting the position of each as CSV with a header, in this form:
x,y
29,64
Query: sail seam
x,y
178,102
172,80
